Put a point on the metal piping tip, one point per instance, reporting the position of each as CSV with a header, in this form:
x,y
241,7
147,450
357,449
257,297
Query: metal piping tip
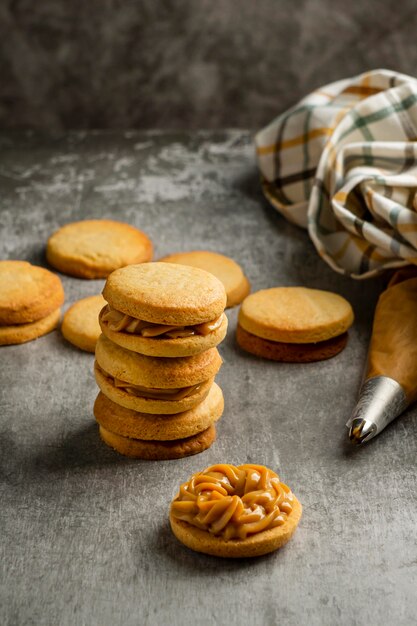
x,y
362,430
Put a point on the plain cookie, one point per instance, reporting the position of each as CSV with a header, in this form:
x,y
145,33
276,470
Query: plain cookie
x,y
80,325
27,293
95,248
223,267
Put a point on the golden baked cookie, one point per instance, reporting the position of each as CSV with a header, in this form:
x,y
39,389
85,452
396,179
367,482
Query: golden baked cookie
x,y
27,293
128,423
167,294
290,352
230,511
159,450
94,248
295,315
223,267
80,325
21,333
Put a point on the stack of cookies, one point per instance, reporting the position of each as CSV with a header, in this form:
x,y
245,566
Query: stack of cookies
x,y
30,302
157,358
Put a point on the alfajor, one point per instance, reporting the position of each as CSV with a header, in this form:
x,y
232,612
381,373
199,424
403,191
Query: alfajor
x,y
30,301
151,384
294,324
164,310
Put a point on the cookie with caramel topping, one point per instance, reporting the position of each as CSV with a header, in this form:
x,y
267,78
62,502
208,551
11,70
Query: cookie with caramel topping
x,y
235,511
294,324
133,424
164,310
159,450
223,267
94,248
80,324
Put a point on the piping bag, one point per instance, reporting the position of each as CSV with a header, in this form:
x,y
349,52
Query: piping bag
x,y
390,380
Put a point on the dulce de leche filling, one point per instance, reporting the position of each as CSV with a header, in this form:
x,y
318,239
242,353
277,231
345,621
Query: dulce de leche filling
x,y
154,393
122,323
233,502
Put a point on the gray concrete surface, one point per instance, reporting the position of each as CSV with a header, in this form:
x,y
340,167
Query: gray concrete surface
x,y
186,64
84,533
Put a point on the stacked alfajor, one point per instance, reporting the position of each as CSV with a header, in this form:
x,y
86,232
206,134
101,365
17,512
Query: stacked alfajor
x,y
156,360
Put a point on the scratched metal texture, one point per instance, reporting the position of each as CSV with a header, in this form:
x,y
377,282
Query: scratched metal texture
x,y
84,533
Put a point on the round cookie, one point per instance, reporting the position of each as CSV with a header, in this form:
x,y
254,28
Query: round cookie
x,y
27,293
21,333
184,346
164,293
154,372
128,423
159,450
234,512
295,315
223,267
94,248
290,352
149,405
80,325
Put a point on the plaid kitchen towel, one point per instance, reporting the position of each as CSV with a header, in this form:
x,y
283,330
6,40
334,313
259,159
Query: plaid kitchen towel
x,y
343,163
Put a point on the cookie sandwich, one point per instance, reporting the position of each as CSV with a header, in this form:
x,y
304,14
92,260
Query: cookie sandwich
x,y
294,324
152,384
159,436
95,248
30,302
164,310
235,511
223,267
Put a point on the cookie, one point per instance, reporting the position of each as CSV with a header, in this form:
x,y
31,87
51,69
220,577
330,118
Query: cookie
x,y
151,384
295,315
164,310
210,513
224,268
159,450
21,333
94,248
128,423
80,325
290,352
28,293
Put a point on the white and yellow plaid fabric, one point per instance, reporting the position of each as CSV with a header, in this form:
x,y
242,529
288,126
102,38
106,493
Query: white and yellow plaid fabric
x,y
343,163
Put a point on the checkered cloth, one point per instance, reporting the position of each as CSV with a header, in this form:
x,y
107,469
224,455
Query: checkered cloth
x,y
343,163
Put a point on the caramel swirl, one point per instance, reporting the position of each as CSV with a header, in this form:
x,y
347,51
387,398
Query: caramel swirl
x,y
120,322
233,502
154,393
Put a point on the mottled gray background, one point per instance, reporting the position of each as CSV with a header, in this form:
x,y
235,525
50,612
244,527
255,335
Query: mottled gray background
x,y
187,64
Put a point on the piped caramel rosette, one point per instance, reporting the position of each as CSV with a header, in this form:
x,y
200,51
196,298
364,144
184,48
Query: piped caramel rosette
x,y
163,310
154,385
235,511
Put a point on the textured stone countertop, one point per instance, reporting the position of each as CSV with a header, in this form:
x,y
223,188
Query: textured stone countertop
x,y
84,532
